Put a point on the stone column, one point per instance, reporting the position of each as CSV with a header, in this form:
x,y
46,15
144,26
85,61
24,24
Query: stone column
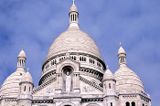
x,y
76,82
59,83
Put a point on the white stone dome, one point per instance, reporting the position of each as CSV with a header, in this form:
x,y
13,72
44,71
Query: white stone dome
x,y
27,77
73,40
10,87
127,81
108,75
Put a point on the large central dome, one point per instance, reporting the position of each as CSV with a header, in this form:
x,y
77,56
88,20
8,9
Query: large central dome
x,y
73,40
75,45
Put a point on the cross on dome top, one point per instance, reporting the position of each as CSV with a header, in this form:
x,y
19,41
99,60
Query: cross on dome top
x,y
120,43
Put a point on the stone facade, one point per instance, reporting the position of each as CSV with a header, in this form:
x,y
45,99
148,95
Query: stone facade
x,y
74,74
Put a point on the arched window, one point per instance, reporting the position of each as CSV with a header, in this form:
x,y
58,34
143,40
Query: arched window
x,y
109,85
91,61
122,59
104,85
111,104
127,104
29,89
133,104
24,88
73,17
82,59
143,104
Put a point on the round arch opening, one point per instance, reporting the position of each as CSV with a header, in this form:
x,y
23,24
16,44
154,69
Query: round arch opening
x,y
67,70
67,104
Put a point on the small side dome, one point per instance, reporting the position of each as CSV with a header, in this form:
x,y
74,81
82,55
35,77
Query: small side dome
x,y
10,87
27,77
127,81
108,75
22,54
121,50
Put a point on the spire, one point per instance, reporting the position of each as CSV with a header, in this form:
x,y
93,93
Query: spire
x,y
122,56
22,54
21,59
27,77
73,1
108,74
73,16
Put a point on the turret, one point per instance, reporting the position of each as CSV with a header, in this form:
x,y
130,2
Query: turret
x,y
122,56
10,87
129,83
21,59
73,16
109,82
26,89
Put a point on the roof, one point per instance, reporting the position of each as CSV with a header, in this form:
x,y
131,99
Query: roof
x,y
121,50
73,40
10,87
27,77
22,54
108,74
73,7
127,80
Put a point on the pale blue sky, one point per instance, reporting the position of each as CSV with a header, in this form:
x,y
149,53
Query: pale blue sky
x,y
34,24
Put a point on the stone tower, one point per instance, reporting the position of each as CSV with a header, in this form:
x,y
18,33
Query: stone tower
x,y
109,89
26,89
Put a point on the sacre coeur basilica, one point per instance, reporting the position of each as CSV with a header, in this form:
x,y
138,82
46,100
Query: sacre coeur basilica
x,y
74,74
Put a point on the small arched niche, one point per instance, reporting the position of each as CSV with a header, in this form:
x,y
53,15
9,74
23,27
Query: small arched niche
x,y
67,79
67,70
